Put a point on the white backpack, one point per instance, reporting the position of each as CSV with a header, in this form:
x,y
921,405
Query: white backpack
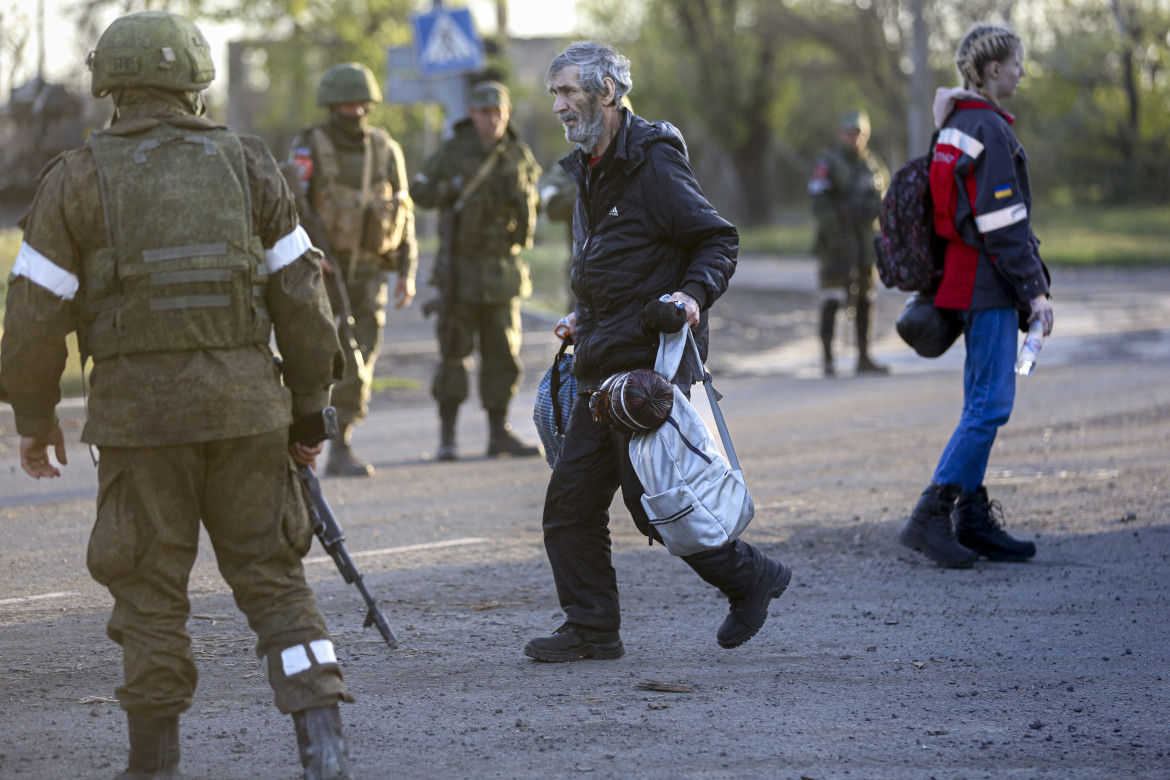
x,y
696,500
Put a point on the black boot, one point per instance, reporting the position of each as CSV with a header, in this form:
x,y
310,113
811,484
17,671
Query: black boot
x,y
828,324
571,641
501,440
341,462
154,748
930,531
979,526
864,364
749,579
448,416
324,754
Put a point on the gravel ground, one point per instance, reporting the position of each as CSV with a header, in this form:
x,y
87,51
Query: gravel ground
x,y
874,664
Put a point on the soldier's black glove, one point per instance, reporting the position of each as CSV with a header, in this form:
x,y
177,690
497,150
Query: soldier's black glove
x,y
314,429
664,316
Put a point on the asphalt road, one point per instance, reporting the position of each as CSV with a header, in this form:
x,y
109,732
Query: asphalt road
x,y
875,664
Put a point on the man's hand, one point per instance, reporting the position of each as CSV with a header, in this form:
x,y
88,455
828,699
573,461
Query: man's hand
x,y
403,292
1041,310
570,322
34,454
691,304
305,456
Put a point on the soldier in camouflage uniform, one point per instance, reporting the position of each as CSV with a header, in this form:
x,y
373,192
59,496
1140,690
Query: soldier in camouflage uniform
x,y
354,179
558,198
172,247
847,185
488,177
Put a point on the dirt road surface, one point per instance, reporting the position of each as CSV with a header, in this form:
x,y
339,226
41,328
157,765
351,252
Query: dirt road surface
x,y
874,664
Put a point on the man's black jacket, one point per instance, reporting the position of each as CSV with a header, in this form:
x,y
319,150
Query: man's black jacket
x,y
642,229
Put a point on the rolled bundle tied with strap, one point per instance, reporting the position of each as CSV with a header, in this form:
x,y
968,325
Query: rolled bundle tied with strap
x,y
633,401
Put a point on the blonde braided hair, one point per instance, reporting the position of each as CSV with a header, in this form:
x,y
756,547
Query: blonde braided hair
x,y
982,45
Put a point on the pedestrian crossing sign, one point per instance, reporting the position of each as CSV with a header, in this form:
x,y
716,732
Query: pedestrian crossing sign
x,y
445,42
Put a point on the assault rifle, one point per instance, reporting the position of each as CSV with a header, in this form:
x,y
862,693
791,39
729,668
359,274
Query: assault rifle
x,y
334,286
310,432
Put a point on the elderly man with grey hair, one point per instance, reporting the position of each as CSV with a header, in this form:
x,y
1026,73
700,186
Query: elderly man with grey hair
x,y
643,230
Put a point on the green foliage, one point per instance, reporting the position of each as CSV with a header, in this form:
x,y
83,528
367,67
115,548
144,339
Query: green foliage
x,y
1102,236
792,236
1094,114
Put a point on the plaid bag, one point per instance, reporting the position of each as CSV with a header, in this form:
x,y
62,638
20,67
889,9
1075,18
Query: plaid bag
x,y
554,401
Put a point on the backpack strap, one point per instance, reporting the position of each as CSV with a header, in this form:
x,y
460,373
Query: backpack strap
x,y
671,349
713,396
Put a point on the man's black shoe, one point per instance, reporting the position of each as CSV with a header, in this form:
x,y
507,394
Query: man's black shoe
x,y
747,615
979,526
571,641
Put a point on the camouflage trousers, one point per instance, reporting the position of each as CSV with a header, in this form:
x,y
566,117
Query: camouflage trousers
x,y
857,282
368,295
150,504
497,328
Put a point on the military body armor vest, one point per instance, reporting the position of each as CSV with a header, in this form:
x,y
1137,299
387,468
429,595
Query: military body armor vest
x,y
193,276
371,217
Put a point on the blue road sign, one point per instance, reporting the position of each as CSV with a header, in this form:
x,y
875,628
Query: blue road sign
x,y
445,42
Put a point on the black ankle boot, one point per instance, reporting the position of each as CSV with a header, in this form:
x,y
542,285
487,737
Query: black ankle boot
x,y
448,416
154,748
930,531
501,440
828,324
571,641
324,754
749,579
979,526
341,461
864,364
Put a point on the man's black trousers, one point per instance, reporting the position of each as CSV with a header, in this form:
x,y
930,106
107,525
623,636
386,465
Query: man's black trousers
x,y
593,463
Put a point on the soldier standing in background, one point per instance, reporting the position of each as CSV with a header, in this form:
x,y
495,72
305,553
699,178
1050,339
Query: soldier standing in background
x,y
353,179
558,198
847,185
484,179
172,247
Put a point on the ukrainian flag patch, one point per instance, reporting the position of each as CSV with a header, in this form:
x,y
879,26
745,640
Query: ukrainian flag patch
x,y
1003,191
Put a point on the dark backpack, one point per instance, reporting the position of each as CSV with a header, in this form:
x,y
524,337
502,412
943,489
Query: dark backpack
x,y
909,252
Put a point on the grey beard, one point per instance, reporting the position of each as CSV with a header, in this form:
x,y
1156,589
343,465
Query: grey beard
x,y
588,130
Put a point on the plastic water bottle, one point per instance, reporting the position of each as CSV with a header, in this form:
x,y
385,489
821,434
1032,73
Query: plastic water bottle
x,y
1030,352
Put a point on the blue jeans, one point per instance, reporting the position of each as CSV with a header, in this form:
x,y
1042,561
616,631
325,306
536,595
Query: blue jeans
x,y
989,391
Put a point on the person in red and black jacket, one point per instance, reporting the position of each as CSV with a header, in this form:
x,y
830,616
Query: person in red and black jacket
x,y
994,276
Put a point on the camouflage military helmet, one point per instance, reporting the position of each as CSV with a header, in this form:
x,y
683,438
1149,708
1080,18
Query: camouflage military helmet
x,y
349,82
151,49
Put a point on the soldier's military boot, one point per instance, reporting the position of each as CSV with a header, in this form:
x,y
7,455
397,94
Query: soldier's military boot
x,y
448,416
931,532
341,462
154,748
324,753
828,323
979,526
864,364
502,441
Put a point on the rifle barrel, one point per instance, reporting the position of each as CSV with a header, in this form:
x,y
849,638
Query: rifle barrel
x,y
329,533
